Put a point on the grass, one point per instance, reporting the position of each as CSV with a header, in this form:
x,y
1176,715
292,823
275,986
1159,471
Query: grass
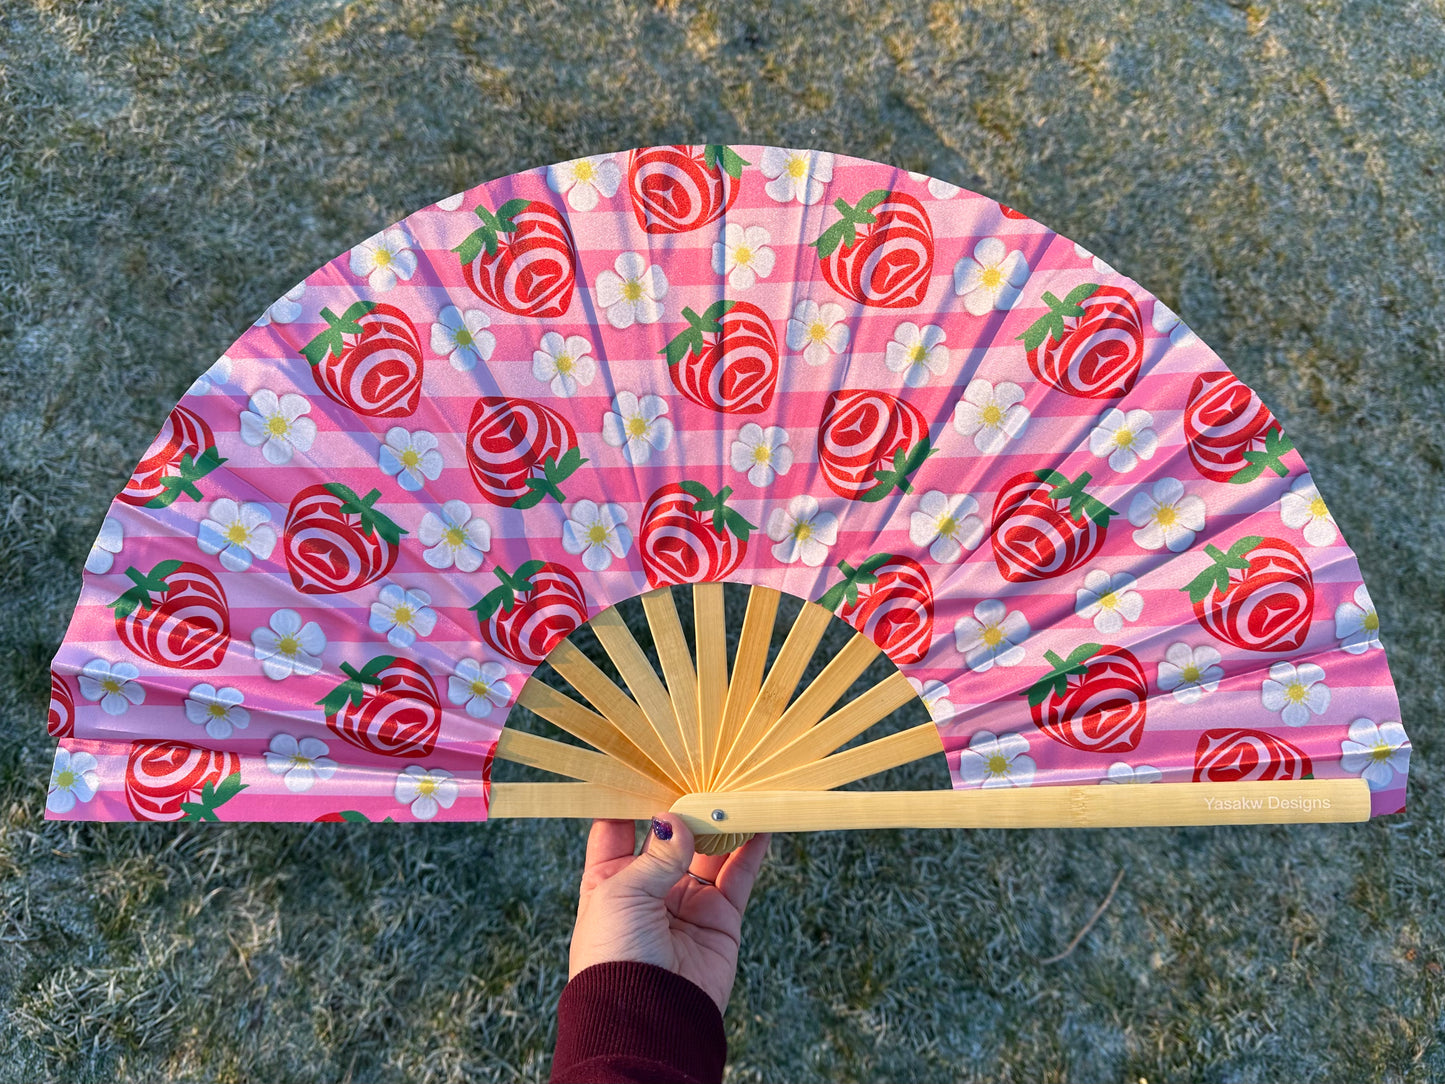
x,y
1274,172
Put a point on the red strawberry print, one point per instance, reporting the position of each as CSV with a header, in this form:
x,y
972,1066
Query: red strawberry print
x,y
183,452
1090,344
676,189
1230,433
1234,755
1259,595
727,359
1009,212
335,541
889,599
60,721
520,452
175,616
175,781
871,443
1045,525
881,252
368,359
1094,700
389,707
532,611
690,535
521,259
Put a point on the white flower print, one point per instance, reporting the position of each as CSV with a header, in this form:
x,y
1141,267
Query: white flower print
x,y
73,778
1296,692
1303,507
480,687
1166,516
916,353
1189,672
209,382
582,180
637,426
803,532
796,175
455,537
743,255
452,202
946,525
426,790
991,761
288,647
1108,600
412,457
817,330
106,545
278,425
383,258
402,615
936,188
462,337
1099,265
762,453
1124,438
1120,772
299,763
597,533
564,364
1357,624
934,695
993,414
633,292
285,308
218,710
994,635
1375,753
1166,321
991,278
237,532
113,684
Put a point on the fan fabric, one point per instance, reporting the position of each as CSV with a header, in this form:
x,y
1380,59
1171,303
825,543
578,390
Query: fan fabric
x,y
1094,551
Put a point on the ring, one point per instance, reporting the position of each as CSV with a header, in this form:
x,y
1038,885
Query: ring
x,y
700,880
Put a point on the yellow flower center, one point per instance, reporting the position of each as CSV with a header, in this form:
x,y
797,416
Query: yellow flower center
x,y
947,525
1295,693
991,415
1123,438
1165,515
456,537
236,534
802,531
632,290
762,454
742,255
1318,509
818,331
1109,600
403,615
110,685
992,636
464,337
998,764
917,354
565,364
298,761
216,711
1372,622
277,425
410,458
992,278
65,780
597,534
426,786
381,257
637,426
1381,752
797,166
480,688
288,645
583,171
1190,673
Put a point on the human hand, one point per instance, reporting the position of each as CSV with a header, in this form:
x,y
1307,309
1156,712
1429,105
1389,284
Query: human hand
x,y
646,908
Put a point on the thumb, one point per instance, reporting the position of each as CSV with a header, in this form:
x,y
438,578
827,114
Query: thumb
x,y
664,859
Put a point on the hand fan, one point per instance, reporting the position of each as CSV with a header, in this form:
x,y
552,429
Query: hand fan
x,y
1090,551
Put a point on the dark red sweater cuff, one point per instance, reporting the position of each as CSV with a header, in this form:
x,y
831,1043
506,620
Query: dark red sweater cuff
x,y
631,1023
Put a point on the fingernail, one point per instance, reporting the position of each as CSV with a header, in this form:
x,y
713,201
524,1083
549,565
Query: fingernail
x,y
661,829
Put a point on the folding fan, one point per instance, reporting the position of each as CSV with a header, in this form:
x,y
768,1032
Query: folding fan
x,y
1089,550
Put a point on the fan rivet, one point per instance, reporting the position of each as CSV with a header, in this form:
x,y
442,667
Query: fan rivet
x,y
719,815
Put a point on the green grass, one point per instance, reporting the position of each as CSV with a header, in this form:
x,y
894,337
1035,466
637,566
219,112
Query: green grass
x,y
1274,172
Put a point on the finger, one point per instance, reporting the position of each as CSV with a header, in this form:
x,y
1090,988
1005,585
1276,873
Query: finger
x,y
609,841
707,866
735,880
662,862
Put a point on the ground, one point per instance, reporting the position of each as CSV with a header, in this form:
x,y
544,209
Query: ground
x,y
1275,172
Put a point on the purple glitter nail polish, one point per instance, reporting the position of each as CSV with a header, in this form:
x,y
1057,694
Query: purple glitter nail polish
x,y
661,829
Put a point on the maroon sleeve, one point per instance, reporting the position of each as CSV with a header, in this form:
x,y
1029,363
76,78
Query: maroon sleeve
x,y
632,1023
